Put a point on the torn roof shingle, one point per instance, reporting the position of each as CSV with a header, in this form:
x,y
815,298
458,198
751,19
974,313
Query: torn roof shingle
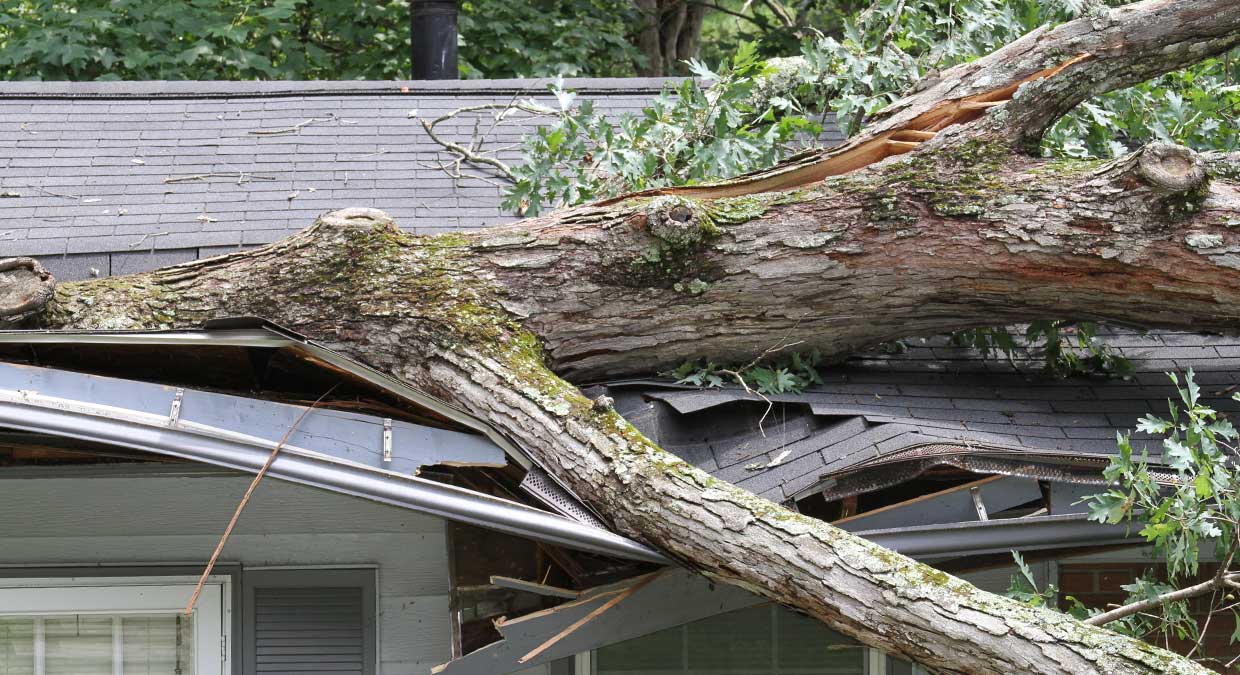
x,y
877,404
170,171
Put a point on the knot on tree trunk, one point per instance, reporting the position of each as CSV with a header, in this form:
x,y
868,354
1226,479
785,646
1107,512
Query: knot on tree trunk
x,y
25,286
355,218
1166,168
677,221
1176,177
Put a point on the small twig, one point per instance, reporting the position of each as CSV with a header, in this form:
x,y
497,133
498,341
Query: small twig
x,y
241,176
472,154
296,128
149,235
895,20
189,608
467,154
784,17
56,194
1166,598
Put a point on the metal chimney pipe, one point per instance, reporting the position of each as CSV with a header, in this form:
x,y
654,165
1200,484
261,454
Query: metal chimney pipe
x,y
432,40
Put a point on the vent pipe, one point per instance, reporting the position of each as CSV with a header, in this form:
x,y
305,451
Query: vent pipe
x,y
433,39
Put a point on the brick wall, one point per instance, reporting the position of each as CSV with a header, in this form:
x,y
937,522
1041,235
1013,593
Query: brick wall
x,y
1099,585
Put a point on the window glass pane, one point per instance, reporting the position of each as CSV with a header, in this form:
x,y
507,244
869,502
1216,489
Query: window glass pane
x,y
16,646
157,645
78,645
755,641
93,644
661,652
736,640
898,666
807,644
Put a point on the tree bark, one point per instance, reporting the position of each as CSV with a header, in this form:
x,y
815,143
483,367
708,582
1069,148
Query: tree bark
x,y
669,34
884,238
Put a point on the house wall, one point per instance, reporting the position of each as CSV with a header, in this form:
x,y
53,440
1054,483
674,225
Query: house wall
x,y
138,519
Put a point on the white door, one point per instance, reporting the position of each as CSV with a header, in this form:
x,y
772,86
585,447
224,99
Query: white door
x,y
112,626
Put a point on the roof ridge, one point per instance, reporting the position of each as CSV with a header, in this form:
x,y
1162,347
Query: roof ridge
x,y
162,89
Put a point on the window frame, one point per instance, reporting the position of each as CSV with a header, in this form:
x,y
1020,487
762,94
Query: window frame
x,y
44,596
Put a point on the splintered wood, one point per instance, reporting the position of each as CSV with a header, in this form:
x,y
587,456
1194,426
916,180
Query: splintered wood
x,y
816,166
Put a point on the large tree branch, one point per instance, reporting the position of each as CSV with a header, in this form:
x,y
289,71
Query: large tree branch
x,y
1025,86
429,311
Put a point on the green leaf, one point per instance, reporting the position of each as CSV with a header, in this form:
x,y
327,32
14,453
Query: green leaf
x,y
1177,455
1203,486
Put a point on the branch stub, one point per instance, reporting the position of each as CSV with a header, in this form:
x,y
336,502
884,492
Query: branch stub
x,y
1170,168
25,286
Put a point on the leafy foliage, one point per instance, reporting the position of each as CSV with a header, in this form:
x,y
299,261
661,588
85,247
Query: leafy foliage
x,y
789,374
203,39
1198,506
1198,107
1024,588
546,38
693,133
302,39
1068,348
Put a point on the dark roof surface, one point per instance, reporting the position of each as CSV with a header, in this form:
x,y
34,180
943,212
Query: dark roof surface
x,y
876,404
110,178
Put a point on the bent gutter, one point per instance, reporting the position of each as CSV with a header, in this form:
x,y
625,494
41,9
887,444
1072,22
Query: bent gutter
x,y
1000,536
33,412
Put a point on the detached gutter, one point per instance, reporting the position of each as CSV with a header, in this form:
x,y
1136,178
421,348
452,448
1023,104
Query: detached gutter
x,y
997,536
148,432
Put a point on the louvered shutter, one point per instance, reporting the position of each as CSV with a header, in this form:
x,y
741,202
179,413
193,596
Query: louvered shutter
x,y
310,621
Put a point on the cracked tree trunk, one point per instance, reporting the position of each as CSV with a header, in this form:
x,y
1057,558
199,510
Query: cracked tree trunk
x,y
958,230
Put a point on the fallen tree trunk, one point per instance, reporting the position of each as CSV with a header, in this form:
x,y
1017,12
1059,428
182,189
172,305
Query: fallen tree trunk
x,y
955,228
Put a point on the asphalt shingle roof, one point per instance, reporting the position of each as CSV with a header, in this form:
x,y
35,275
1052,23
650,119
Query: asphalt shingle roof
x,y
108,178
877,404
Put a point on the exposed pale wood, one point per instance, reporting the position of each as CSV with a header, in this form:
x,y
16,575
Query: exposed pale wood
x,y
965,487
534,587
903,146
913,135
619,597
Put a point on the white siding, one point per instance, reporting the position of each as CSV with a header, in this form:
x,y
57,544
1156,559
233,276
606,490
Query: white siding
x,y
178,519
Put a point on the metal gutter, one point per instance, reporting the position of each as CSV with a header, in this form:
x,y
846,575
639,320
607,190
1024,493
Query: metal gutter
x,y
237,337
997,536
149,432
376,442
270,336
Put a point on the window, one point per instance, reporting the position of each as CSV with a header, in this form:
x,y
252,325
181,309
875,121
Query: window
x,y
764,640
111,626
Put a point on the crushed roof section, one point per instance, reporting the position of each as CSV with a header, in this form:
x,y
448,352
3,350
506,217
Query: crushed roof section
x,y
877,404
112,178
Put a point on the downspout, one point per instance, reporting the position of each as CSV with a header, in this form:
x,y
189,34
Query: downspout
x,y
432,39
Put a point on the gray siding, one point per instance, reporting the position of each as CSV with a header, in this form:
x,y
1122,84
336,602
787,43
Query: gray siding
x,y
178,519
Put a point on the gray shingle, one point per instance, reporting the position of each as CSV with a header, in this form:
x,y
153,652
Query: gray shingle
x,y
362,150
